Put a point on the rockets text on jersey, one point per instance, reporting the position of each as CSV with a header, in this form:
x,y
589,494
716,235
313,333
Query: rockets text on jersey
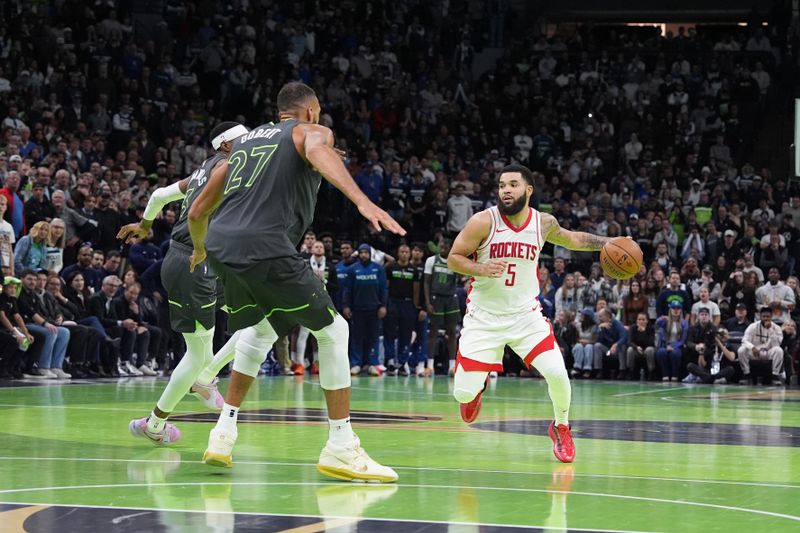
x,y
518,290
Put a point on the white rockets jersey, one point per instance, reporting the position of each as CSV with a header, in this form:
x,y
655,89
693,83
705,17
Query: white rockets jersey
x,y
518,290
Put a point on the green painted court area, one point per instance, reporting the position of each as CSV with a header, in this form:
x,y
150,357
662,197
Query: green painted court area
x,y
650,457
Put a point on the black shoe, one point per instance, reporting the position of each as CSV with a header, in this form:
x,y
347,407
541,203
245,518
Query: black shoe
x,y
391,370
77,371
775,380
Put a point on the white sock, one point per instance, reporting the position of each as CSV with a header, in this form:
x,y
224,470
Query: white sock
x,y
551,365
155,424
228,417
431,363
452,364
340,431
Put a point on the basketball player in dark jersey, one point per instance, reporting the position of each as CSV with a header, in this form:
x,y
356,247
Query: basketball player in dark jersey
x,y
192,297
261,209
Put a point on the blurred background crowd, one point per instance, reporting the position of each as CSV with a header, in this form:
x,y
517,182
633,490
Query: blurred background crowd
x,y
669,138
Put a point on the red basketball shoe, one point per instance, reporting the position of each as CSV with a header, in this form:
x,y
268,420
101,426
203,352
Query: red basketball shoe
x,y
470,411
563,447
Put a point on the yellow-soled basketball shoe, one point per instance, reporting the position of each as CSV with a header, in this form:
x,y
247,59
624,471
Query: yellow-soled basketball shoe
x,y
351,463
220,448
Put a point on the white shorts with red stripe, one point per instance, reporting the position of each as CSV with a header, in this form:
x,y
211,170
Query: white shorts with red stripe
x,y
485,336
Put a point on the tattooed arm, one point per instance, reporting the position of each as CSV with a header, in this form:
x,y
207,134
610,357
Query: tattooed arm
x,y
571,240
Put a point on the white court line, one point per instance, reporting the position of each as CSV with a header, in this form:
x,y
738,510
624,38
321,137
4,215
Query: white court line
x,y
424,469
419,486
661,390
356,518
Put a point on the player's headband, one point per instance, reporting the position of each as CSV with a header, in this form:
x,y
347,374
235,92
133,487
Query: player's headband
x,y
228,135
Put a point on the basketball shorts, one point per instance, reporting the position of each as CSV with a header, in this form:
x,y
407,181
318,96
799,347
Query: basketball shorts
x,y
192,295
446,311
284,290
485,335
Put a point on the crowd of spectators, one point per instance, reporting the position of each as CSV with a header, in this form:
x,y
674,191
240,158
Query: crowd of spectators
x,y
629,132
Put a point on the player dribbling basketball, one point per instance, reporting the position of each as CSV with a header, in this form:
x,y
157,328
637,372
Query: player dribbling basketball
x,y
500,248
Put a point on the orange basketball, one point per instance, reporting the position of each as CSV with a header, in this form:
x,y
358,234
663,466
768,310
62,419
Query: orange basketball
x,y
621,258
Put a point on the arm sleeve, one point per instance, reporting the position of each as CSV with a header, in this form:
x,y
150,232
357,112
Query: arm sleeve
x,y
160,198
429,265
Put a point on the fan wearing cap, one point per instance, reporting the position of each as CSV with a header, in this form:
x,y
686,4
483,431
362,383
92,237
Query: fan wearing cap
x,y
700,341
13,324
762,343
192,296
673,330
705,302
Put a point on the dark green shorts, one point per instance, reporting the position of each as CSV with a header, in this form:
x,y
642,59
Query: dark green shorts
x,y
446,311
192,295
284,290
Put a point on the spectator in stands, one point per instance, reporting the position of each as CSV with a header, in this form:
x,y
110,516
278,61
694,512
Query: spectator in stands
x,y
775,293
566,334
672,332
143,253
673,293
459,210
568,296
54,249
56,338
7,240
583,350
705,303
641,353
762,342
15,204
92,277
141,337
700,340
30,252
634,303
22,364
609,348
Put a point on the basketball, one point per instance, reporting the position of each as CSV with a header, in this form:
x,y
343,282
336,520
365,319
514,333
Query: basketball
x,y
621,258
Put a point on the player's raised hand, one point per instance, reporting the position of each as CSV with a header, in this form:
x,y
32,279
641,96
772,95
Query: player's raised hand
x,y
129,231
380,219
197,257
495,268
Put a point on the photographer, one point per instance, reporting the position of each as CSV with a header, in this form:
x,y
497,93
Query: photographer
x,y
700,340
717,365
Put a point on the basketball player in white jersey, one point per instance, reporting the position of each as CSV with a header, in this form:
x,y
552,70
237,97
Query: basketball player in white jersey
x,y
499,247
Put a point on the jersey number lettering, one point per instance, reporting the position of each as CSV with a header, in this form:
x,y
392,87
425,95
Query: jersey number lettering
x,y
238,160
510,272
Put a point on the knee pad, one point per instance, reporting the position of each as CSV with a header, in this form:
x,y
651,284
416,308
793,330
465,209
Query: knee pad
x,y
334,362
252,347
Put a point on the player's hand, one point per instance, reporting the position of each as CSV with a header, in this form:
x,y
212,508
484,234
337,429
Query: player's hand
x,y
380,219
494,269
197,257
381,312
341,153
129,231
347,313
422,315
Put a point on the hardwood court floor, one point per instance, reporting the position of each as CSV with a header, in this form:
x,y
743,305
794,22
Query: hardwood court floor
x,y
650,457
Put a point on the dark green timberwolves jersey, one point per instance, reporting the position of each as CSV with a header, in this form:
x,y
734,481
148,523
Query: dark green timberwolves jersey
x,y
269,199
197,181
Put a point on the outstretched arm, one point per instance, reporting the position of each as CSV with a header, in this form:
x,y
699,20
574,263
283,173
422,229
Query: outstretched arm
x,y
160,197
316,147
201,210
571,240
474,233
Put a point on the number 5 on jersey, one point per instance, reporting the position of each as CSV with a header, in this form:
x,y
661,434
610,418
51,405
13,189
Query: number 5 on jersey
x,y
238,160
511,272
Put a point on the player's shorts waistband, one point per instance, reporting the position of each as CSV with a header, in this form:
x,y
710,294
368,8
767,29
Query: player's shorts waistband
x,y
180,246
474,309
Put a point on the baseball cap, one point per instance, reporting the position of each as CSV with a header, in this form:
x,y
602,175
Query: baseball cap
x,y
696,182
16,158
703,310
730,233
588,311
705,169
364,246
741,305
11,280
675,304
707,268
